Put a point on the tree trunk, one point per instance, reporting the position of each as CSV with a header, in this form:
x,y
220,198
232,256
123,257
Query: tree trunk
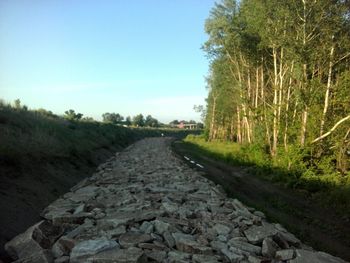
x,y
239,131
275,102
285,136
267,129
232,129
212,126
329,82
256,88
303,126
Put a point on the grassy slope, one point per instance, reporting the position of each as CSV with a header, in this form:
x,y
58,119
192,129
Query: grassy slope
x,y
42,156
327,189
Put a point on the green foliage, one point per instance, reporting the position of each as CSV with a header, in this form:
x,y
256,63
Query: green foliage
x,y
128,121
200,109
72,116
17,104
46,113
151,122
255,154
114,118
88,119
217,149
174,122
138,120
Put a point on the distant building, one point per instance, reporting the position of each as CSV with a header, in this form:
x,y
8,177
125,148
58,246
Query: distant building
x,y
189,126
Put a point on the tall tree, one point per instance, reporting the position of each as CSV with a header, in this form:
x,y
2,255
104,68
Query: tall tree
x,y
278,74
138,120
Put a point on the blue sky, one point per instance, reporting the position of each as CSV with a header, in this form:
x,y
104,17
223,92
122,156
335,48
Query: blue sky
x,y
129,57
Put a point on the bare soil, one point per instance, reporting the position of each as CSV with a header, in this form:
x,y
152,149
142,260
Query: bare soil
x,y
316,225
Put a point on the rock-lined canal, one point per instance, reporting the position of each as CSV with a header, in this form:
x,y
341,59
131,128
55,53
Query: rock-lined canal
x,y
146,205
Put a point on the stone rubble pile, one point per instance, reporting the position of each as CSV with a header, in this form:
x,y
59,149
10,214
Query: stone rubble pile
x,y
145,205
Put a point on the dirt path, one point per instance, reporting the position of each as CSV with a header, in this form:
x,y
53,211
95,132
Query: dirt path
x,y
318,226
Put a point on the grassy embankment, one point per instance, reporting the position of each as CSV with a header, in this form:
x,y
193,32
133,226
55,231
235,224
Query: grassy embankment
x,y
42,155
40,135
328,188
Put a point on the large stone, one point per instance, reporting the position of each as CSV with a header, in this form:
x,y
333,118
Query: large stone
x,y
218,245
116,232
84,194
88,190
161,226
178,257
111,223
136,215
63,246
153,246
254,259
269,248
160,244
222,229
59,207
231,256
205,259
65,219
88,248
64,259
147,227
285,254
158,256
187,243
79,198
181,236
305,256
174,221
259,214
79,209
289,238
130,255
170,207
169,240
245,246
131,239
77,231
256,234
43,256
35,240
280,241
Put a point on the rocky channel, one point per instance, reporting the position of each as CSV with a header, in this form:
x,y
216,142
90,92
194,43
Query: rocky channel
x,y
146,205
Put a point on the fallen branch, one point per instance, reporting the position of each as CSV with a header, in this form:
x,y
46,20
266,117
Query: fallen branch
x,y
331,130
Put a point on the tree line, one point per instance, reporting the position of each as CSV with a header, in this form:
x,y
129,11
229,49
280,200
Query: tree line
x,y
138,120
116,118
279,78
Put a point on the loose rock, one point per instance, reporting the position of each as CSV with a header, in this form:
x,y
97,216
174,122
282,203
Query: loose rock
x,y
89,248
